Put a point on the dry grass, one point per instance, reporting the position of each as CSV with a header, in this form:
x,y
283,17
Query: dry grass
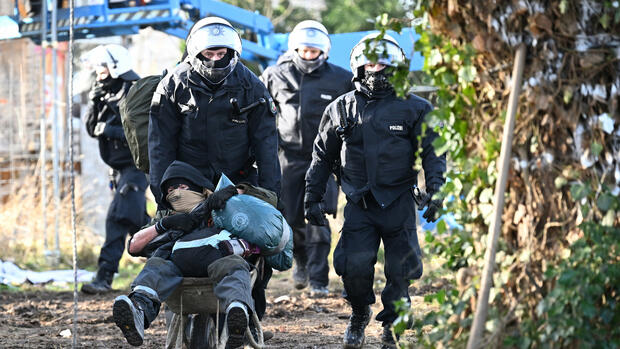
x,y
22,217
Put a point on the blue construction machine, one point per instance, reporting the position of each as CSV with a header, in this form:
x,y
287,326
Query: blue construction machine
x,y
175,17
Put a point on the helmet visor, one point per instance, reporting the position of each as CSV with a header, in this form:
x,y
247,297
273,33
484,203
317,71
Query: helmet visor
x,y
382,52
213,35
309,37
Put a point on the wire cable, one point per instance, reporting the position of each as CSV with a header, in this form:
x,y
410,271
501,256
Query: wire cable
x,y
72,175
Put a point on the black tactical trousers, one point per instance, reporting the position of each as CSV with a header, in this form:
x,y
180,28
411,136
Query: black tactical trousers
x,y
311,245
356,253
126,214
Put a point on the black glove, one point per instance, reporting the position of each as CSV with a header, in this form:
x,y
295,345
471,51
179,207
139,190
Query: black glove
x,y
432,206
314,213
96,91
217,200
181,221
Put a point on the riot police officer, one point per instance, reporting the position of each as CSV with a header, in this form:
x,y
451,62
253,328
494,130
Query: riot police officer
x,y
302,84
127,212
374,136
216,115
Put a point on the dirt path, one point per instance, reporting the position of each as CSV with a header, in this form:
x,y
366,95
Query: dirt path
x,y
36,319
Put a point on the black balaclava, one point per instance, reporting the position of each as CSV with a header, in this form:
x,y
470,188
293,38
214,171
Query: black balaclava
x,y
111,85
308,66
214,72
377,81
374,84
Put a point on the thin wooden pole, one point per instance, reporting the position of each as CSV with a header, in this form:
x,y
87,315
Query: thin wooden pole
x,y
476,334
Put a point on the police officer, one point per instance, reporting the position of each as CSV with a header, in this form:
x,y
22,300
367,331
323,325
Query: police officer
x,y
302,84
127,212
375,137
214,114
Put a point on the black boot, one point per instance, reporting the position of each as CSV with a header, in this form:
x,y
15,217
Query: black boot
x,y
387,339
101,284
354,334
300,275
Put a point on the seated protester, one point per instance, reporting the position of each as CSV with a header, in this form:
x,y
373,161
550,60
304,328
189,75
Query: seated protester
x,y
204,251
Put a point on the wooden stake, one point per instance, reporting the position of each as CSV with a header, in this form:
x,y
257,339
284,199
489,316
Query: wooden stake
x,y
477,330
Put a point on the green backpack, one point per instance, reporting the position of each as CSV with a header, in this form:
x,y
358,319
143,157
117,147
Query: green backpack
x,y
134,109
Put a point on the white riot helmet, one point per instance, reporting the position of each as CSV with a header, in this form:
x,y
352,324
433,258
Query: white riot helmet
x,y
114,57
213,32
312,34
387,49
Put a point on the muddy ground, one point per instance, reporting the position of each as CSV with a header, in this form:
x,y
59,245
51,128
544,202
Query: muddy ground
x,y
35,319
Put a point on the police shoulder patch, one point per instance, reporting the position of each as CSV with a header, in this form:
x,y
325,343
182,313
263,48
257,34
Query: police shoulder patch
x,y
272,106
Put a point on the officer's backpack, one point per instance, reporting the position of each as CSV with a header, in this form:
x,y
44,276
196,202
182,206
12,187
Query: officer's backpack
x,y
134,109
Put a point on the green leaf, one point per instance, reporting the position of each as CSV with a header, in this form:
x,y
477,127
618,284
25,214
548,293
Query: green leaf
x,y
605,202
560,182
448,78
441,145
435,58
596,148
568,95
486,195
563,6
441,296
604,20
467,73
579,191
441,227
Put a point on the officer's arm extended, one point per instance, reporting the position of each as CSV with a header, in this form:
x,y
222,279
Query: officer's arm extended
x,y
264,141
164,126
325,154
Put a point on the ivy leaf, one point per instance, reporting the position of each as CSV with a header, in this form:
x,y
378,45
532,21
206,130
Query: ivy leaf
x,y
467,73
579,191
563,6
605,202
441,296
596,148
604,20
486,195
435,57
441,145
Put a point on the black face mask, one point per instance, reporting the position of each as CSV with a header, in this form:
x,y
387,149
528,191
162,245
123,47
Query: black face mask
x,y
308,66
111,85
214,72
377,81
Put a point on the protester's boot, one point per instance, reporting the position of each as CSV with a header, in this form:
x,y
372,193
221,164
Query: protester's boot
x,y
354,334
388,339
236,324
129,317
300,275
102,283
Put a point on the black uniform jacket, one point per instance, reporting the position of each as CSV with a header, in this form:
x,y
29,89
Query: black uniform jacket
x,y
377,147
113,146
301,100
195,124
